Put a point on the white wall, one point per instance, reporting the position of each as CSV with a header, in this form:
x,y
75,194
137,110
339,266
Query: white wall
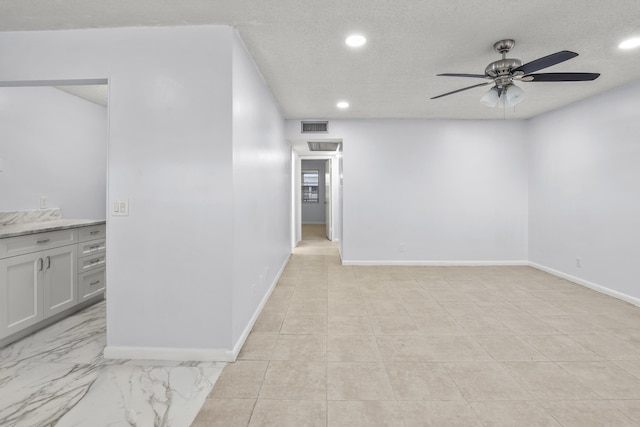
x,y
450,191
296,204
338,216
584,190
170,262
315,213
261,190
53,144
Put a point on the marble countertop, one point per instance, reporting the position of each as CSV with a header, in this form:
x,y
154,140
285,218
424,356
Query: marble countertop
x,y
13,230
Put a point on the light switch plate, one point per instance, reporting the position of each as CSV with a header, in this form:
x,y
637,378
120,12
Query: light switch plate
x,y
1,165
120,208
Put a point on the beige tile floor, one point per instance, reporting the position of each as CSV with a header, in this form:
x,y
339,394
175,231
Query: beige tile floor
x,y
430,346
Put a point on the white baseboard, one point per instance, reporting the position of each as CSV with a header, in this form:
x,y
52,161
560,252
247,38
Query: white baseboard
x,y
193,354
225,355
245,334
594,286
173,354
418,263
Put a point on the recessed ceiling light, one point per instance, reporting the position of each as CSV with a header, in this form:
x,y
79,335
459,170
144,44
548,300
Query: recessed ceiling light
x,y
355,40
342,104
630,43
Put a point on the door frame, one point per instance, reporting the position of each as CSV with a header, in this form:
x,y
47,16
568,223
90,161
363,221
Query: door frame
x,y
296,185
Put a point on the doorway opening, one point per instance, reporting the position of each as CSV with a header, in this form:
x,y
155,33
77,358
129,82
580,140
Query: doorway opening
x,y
315,201
54,166
316,192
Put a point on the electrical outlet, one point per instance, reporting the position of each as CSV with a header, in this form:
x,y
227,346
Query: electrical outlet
x,y
253,289
402,247
43,202
579,262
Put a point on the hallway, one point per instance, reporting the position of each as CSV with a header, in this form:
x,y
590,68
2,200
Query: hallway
x,y
314,242
430,346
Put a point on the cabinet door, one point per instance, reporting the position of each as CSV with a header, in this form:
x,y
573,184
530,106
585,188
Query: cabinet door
x,y
20,292
60,279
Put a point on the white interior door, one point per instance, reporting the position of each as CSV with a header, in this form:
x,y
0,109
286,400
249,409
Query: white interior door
x,y
327,199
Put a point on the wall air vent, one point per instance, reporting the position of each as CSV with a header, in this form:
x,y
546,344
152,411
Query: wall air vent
x,y
323,145
315,127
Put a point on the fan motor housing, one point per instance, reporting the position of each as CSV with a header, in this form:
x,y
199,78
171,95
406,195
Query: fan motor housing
x,y
502,67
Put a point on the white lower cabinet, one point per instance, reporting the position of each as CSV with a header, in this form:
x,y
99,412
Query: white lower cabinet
x,y
21,288
60,279
38,285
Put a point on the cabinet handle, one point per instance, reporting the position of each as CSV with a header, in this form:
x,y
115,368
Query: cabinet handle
x,y
95,261
48,262
43,241
94,232
40,264
93,247
94,283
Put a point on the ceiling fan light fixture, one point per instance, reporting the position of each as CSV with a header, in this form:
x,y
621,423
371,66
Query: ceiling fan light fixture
x,y
514,95
505,71
630,43
491,98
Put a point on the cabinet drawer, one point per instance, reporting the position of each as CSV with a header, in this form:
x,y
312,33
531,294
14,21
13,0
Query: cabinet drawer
x,y
91,283
21,245
92,247
91,262
92,232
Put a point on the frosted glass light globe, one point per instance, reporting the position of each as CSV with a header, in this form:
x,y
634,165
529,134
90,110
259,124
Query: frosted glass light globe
x,y
356,40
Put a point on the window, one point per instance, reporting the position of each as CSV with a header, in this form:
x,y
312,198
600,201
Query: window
x,y
310,186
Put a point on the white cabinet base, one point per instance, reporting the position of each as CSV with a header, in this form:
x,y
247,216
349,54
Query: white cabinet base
x,y
46,276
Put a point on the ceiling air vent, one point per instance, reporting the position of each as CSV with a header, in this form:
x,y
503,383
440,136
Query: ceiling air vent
x,y
323,145
315,127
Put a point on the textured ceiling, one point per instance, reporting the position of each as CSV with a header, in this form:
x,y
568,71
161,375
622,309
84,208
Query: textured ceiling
x,y
299,47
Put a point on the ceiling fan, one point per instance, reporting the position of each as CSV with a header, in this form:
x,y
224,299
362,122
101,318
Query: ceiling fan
x,y
505,71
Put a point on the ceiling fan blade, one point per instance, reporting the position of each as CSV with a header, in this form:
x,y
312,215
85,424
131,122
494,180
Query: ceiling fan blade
x,y
560,77
546,61
460,90
477,76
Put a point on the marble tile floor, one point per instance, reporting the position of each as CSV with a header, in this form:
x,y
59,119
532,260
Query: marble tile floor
x,y
58,377
430,346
